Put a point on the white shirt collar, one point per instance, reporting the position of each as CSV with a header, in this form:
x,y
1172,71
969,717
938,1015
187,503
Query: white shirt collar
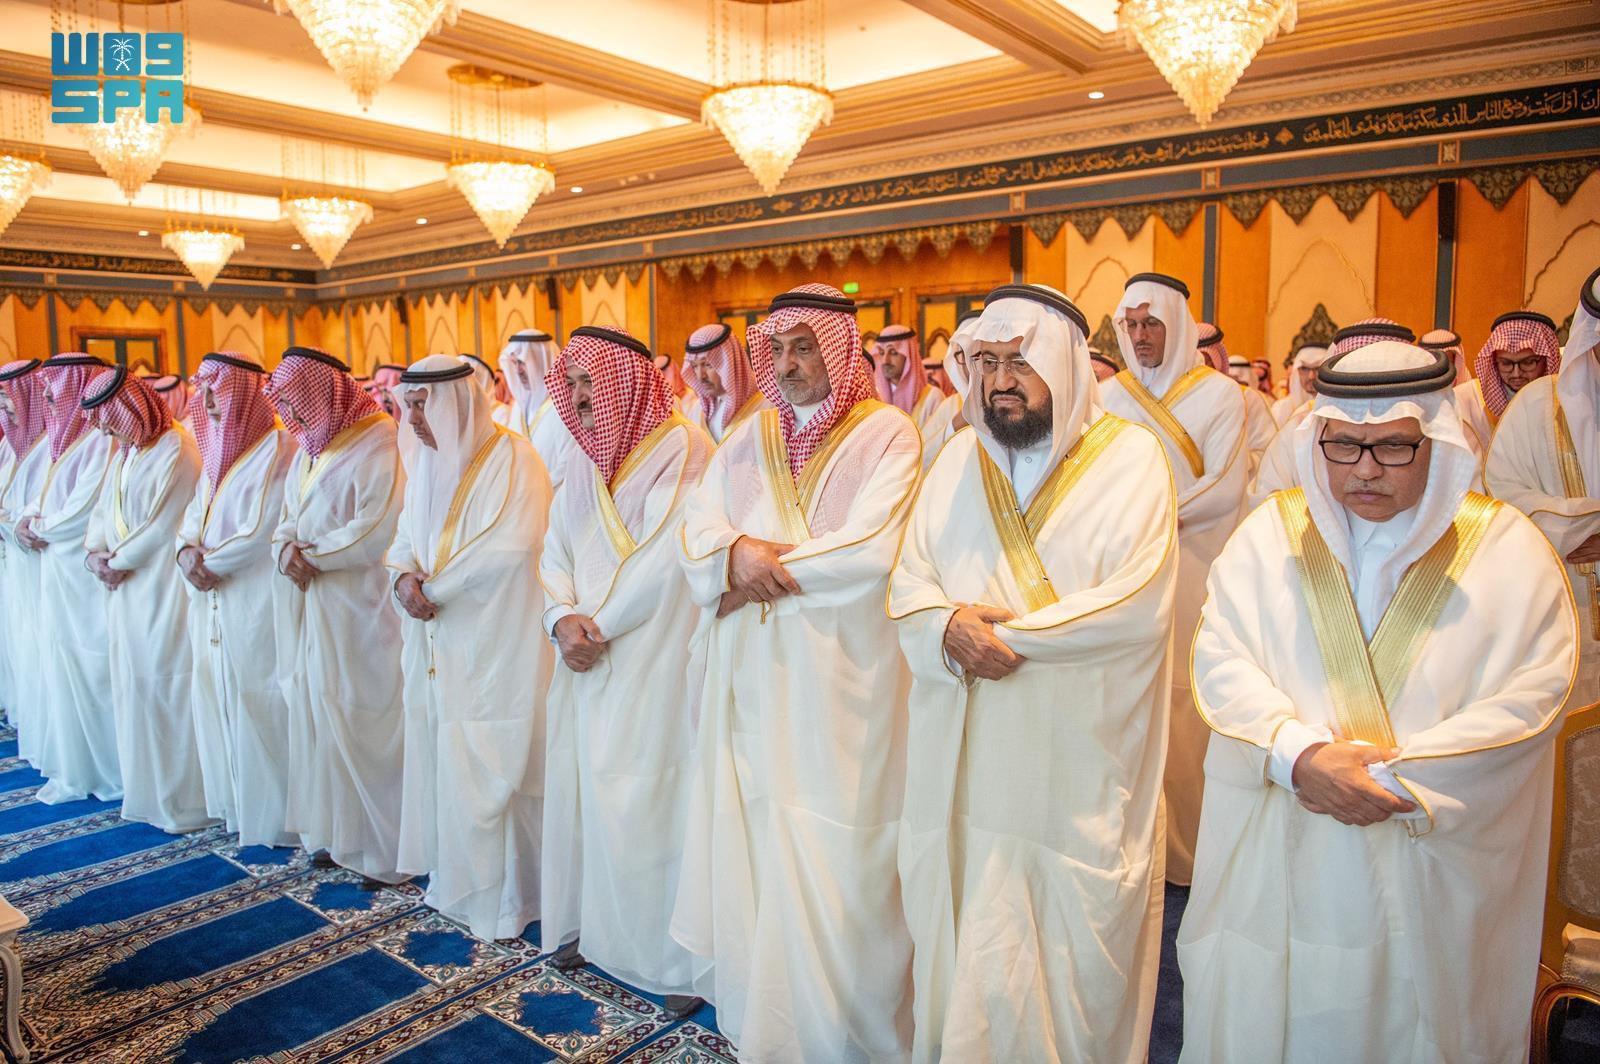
x,y
804,414
1366,534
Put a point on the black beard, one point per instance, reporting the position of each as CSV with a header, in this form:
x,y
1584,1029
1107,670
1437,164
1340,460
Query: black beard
x,y
1021,433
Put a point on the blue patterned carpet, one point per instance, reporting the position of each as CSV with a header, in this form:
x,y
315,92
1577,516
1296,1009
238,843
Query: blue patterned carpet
x,y
144,948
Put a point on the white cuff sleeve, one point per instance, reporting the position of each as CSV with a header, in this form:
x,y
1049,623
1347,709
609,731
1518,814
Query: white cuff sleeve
x,y
1290,743
1382,774
552,617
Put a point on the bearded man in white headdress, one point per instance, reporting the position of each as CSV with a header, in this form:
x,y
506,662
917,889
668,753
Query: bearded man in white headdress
x,y
152,477
338,643
79,753
1198,415
1370,881
788,896
717,369
620,615
1545,460
526,360
464,560
225,553
1278,469
1034,595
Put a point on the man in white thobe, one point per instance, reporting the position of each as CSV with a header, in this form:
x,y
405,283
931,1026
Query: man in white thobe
x,y
338,640
1383,700
22,470
1259,426
718,372
225,553
1198,415
526,359
1302,381
79,753
788,896
617,765
1521,348
1545,461
1278,470
153,472
1448,342
901,378
475,663
1034,596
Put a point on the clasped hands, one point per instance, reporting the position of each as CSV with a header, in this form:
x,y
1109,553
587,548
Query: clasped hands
x,y
1332,779
293,564
99,563
970,642
755,574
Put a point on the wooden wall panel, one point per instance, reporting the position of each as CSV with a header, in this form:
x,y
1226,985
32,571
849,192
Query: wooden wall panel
x,y
1244,261
8,328
1098,269
1489,261
1182,255
144,317
1408,256
1327,259
275,333
636,300
441,327
1563,248
1045,263
240,330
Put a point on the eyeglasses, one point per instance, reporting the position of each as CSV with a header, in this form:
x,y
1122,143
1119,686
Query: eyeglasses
x,y
1532,364
1017,367
1348,452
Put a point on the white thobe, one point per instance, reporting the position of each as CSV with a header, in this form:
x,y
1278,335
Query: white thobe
x,y
147,625
1031,851
617,766
724,419
1308,940
1259,425
339,649
1523,469
24,702
239,713
1474,415
940,426
475,706
543,427
1209,507
79,755
788,896
1277,470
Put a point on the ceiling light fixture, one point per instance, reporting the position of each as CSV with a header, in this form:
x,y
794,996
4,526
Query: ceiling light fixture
x,y
769,69
1202,46
144,232
326,218
20,177
1097,95
203,250
490,112
367,41
131,150
295,247
422,221
577,189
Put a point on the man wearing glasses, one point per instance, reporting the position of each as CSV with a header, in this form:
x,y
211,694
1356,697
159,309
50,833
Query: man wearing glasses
x,y
1377,783
1522,347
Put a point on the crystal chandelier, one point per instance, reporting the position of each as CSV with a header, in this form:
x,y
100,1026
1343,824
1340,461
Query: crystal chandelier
x,y
315,177
205,251
23,169
18,178
1202,46
326,222
500,193
769,68
366,41
489,112
131,150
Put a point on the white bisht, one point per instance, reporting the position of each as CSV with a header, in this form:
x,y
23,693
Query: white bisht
x,y
240,718
621,735
525,360
1031,850
1545,460
1416,938
473,520
1198,415
27,458
79,752
338,641
788,896
141,505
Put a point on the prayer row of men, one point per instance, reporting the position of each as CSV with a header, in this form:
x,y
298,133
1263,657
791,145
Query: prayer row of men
x,y
867,713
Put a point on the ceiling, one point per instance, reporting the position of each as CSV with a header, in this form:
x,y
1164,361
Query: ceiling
x,y
623,81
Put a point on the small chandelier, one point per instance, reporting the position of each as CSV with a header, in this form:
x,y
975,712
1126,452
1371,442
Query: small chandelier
x,y
19,177
489,112
131,150
325,218
203,250
366,41
768,67
1202,46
